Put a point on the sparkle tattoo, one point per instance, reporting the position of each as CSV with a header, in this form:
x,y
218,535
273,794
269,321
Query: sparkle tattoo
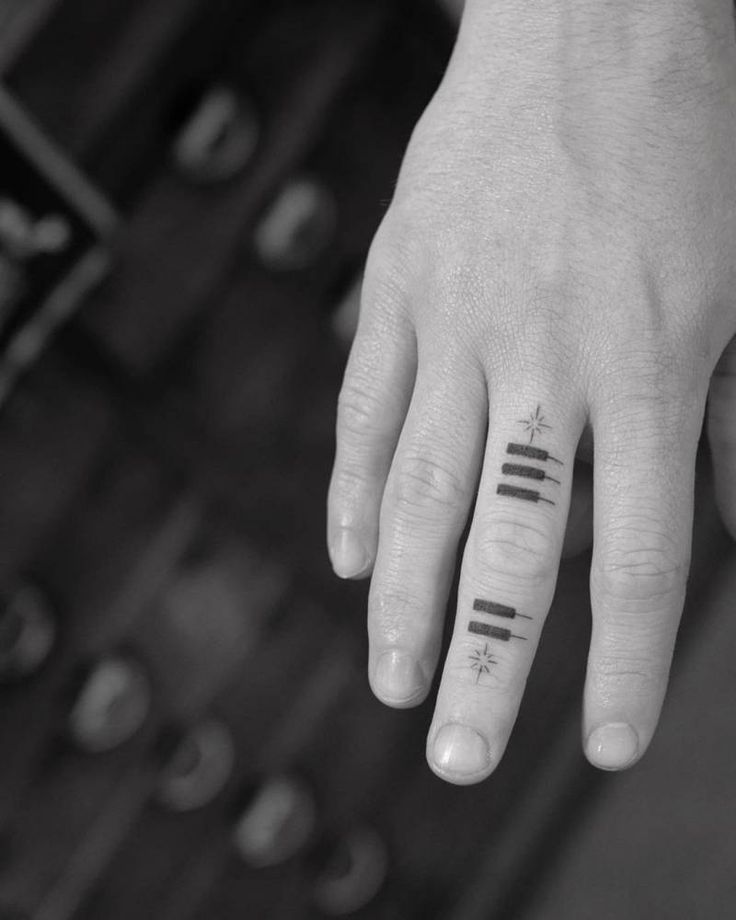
x,y
481,661
533,425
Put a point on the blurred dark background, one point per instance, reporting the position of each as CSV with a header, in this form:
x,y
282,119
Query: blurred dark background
x,y
186,729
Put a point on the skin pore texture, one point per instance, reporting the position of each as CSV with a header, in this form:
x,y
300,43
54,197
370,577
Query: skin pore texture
x,y
556,271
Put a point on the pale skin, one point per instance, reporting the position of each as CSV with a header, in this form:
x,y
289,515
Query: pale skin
x,y
562,241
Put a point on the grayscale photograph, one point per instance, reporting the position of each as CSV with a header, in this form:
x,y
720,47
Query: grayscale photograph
x,y
367,459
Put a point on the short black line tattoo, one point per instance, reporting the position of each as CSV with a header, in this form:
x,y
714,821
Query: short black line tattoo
x,y
481,662
528,472
527,495
532,453
498,610
493,632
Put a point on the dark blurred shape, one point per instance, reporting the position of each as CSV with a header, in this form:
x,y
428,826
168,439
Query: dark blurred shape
x,y
27,632
277,823
345,317
297,227
12,913
198,768
354,873
53,231
111,706
219,138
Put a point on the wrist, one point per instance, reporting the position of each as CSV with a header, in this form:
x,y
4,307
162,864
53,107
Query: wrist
x,y
596,44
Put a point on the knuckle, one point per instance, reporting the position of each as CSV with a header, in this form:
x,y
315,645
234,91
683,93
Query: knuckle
x,y
634,568
656,384
359,410
627,673
392,614
390,266
650,373
423,482
516,549
351,484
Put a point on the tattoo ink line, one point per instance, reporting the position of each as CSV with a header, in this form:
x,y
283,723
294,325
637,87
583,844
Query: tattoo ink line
x,y
527,495
498,610
534,424
493,632
481,662
528,472
531,453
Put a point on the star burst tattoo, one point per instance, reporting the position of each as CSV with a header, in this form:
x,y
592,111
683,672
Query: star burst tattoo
x,y
534,424
481,662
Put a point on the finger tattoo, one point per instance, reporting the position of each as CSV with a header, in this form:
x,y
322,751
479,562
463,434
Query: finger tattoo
x,y
481,658
533,425
481,661
493,632
499,610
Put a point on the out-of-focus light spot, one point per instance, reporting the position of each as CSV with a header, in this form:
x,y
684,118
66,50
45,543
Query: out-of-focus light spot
x,y
112,705
219,139
27,633
277,824
198,769
297,228
345,317
354,873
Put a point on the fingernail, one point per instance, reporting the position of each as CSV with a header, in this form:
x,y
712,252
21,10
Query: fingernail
x,y
398,677
612,746
349,556
461,750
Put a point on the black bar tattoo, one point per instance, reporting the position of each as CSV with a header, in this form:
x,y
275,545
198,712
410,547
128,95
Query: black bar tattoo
x,y
527,495
532,453
528,472
498,610
493,632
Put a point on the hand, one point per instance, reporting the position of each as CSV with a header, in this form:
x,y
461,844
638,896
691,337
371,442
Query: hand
x,y
558,262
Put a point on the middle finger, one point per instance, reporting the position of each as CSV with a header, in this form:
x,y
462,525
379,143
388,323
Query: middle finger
x,y
507,580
